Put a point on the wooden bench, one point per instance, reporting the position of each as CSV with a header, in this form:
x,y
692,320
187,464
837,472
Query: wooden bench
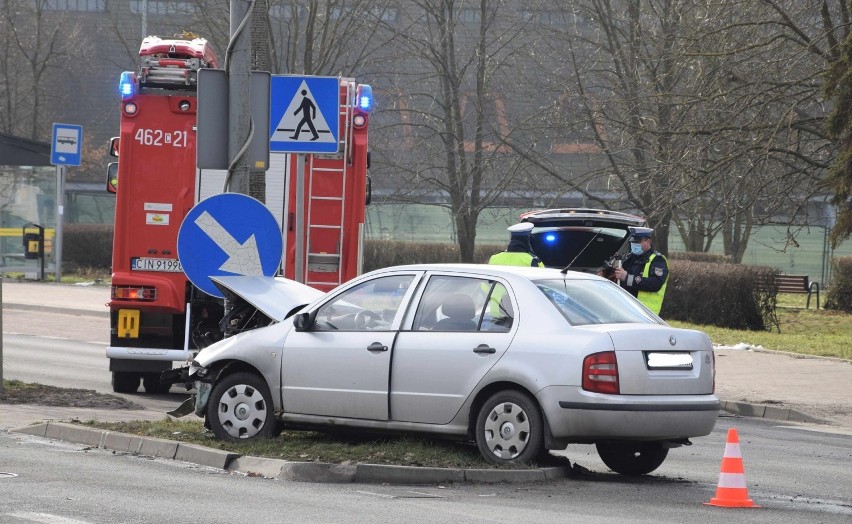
x,y
799,284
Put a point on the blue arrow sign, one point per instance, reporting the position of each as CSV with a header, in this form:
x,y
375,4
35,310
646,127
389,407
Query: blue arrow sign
x,y
67,145
304,114
228,234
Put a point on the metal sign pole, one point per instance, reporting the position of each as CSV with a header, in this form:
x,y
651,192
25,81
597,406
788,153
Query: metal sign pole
x,y
300,272
1,334
60,218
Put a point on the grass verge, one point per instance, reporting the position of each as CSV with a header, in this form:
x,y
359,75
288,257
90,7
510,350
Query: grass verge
x,y
336,447
811,331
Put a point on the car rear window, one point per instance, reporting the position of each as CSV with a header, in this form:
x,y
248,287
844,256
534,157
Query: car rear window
x,y
584,302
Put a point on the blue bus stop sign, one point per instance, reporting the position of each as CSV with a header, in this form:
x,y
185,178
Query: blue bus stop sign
x,y
67,145
228,234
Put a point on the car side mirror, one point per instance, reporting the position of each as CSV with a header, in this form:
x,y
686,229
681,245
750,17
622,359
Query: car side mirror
x,y
113,146
302,321
112,177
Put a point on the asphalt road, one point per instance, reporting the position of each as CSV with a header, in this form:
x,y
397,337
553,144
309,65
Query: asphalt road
x,y
795,476
797,473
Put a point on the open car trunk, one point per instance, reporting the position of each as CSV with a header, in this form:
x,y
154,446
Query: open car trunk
x,y
579,239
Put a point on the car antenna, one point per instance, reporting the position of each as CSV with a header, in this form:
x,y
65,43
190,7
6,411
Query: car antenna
x,y
564,270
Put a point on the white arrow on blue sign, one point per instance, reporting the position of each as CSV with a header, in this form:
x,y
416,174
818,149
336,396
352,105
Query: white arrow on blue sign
x,y
228,234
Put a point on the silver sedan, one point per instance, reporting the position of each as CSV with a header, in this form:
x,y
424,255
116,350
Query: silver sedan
x,y
519,360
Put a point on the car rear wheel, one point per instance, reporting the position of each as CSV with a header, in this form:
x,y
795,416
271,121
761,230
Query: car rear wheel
x,y
509,428
125,382
632,458
240,408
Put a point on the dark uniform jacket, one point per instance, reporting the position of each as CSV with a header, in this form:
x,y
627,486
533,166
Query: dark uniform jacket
x,y
635,264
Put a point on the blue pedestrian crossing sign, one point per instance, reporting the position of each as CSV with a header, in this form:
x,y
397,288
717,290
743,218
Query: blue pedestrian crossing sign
x,y
67,145
228,234
304,114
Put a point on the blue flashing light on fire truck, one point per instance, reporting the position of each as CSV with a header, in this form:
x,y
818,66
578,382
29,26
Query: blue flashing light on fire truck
x,y
157,316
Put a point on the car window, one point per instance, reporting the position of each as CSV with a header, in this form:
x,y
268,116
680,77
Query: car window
x,y
453,303
500,313
584,302
369,306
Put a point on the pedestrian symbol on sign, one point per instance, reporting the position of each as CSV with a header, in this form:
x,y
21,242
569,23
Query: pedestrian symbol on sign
x,y
303,113
309,112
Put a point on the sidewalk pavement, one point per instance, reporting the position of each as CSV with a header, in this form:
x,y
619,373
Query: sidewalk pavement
x,y
750,382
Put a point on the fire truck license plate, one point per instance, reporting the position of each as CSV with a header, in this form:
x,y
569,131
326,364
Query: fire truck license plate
x,y
156,264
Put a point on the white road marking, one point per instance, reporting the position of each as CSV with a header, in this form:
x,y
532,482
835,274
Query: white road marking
x,y
45,518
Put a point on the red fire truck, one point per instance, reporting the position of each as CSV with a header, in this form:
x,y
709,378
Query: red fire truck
x,y
157,316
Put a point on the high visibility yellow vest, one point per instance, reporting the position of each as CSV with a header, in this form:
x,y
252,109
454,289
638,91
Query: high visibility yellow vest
x,y
653,300
513,258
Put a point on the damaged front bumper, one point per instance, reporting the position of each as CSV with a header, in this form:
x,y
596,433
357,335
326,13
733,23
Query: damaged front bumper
x,y
196,403
192,376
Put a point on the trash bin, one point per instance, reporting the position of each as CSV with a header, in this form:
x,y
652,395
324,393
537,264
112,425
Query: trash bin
x,y
33,242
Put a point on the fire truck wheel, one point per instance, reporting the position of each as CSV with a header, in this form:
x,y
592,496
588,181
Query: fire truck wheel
x,y
240,408
125,382
152,385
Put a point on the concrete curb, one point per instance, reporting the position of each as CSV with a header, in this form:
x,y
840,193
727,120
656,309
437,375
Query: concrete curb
x,y
281,469
58,310
746,409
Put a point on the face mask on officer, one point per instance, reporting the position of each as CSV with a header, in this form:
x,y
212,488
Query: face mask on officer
x,y
635,248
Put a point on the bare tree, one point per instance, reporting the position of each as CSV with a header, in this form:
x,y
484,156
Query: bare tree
x,y
451,65
838,87
34,46
634,78
326,37
706,113
774,55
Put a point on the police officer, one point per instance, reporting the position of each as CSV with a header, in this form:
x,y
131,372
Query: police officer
x,y
645,272
519,252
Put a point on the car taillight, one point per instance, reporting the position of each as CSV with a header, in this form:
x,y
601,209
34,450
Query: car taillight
x,y
713,353
600,373
141,293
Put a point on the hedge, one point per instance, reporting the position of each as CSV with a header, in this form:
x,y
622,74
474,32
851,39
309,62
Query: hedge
x,y
839,295
725,295
702,288
87,246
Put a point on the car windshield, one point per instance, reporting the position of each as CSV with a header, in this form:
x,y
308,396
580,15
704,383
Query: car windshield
x,y
584,302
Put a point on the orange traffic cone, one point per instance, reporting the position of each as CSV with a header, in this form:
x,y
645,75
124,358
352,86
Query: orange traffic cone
x,y
731,491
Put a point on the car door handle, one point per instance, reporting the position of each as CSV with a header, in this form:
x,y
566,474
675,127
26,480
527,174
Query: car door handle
x,y
484,349
377,346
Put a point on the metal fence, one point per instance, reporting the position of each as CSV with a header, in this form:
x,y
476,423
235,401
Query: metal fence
x,y
768,245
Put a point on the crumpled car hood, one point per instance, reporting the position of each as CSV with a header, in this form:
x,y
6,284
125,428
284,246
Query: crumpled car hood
x,y
275,297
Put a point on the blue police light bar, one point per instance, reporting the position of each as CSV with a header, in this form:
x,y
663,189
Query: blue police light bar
x,y
127,84
550,237
365,98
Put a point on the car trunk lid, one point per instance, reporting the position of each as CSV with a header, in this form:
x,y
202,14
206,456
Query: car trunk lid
x,y
661,362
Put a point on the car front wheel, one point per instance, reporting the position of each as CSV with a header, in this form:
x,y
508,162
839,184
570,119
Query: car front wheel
x,y
240,408
509,428
632,458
